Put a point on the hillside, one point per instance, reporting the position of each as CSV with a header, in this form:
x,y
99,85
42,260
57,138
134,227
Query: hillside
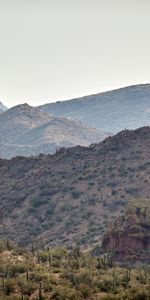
x,y
27,131
2,107
111,111
73,194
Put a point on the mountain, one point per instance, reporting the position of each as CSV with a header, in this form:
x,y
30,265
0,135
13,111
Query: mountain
x,y
2,107
111,111
25,130
74,194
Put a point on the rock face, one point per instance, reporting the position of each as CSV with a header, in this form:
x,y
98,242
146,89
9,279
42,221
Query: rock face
x,y
129,237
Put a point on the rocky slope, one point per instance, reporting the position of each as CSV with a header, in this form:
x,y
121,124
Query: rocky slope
x,y
73,194
25,130
111,111
129,237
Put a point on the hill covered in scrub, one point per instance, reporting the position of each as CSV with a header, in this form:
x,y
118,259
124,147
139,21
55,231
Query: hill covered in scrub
x,y
74,194
25,130
110,111
57,273
129,237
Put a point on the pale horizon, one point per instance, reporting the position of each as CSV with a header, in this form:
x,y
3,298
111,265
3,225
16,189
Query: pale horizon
x,y
65,49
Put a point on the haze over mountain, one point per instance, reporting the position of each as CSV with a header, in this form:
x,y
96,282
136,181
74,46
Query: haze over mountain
x,y
2,107
111,111
73,194
25,130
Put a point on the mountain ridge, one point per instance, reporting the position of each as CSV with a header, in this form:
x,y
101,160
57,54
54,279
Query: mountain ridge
x,y
112,111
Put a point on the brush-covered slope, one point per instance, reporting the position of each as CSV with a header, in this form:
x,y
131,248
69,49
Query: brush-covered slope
x,y
111,111
59,273
75,193
2,107
25,130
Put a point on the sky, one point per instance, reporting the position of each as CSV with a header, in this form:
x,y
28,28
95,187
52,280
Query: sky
x,y
61,49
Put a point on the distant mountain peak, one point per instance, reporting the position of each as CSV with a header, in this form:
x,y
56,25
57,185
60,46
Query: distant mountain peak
x,y
23,106
28,131
26,110
26,105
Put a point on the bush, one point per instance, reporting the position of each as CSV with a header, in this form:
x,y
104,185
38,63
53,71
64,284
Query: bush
x,y
76,194
66,293
27,287
9,286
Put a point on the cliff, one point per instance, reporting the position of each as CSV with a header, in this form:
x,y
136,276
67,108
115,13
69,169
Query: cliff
x,y
129,237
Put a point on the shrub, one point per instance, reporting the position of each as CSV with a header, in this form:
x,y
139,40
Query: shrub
x,y
9,286
76,194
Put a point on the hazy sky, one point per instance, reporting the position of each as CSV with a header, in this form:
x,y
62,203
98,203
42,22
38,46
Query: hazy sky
x,y
61,49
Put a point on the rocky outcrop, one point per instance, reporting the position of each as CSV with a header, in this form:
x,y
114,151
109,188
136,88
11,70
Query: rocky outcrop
x,y
129,237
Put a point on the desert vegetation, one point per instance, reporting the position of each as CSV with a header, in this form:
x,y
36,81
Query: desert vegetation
x,y
68,274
